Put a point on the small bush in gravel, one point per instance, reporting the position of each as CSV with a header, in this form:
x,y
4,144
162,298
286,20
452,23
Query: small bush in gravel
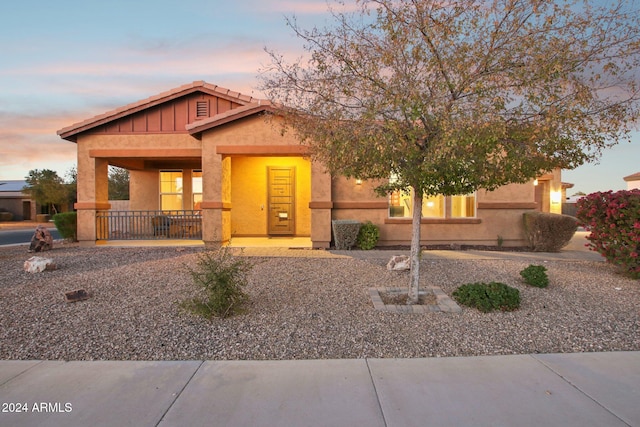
x,y
368,236
487,297
67,225
345,232
535,275
548,232
222,277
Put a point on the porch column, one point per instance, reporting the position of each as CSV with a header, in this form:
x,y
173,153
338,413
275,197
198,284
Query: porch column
x,y
320,205
93,195
216,195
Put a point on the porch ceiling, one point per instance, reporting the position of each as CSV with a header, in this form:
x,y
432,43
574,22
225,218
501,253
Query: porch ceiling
x,y
141,159
157,163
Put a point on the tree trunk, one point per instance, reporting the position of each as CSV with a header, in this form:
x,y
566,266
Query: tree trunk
x,y
414,285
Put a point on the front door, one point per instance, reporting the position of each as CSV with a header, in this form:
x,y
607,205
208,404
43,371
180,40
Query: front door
x,y
281,199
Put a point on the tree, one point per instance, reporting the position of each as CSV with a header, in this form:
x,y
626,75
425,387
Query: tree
x,y
118,183
450,97
72,184
46,188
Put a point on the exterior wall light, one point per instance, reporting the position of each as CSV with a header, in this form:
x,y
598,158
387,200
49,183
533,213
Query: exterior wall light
x,y
535,181
358,182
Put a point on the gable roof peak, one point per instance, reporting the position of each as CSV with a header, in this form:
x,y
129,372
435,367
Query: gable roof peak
x,y
70,132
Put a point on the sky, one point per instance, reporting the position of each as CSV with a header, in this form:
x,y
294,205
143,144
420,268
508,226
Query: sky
x,y
64,61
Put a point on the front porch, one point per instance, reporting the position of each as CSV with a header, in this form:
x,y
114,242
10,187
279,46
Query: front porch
x,y
203,148
148,225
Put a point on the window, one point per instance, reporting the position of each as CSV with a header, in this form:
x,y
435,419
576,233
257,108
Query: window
x,y
463,206
171,190
196,189
401,205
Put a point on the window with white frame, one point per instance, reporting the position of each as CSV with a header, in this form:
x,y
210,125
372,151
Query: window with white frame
x,y
171,190
196,186
461,206
401,205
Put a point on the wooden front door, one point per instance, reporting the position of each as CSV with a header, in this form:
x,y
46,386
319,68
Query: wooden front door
x,y
281,199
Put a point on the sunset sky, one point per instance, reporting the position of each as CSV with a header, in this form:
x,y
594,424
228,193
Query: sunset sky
x,y
67,60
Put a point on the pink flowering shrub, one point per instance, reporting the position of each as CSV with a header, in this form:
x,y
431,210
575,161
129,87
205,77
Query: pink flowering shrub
x,y
614,222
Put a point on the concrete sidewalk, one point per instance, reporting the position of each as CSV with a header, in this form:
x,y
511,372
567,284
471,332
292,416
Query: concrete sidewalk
x,y
583,389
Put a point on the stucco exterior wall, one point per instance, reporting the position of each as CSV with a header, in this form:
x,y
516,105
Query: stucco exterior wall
x,y
144,190
255,130
498,216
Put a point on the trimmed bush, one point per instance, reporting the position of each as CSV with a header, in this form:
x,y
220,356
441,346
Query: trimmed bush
x,y
547,232
222,278
67,225
345,232
535,275
614,222
368,236
487,297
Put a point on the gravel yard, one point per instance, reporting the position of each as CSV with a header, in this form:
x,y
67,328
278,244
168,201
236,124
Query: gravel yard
x,y
300,308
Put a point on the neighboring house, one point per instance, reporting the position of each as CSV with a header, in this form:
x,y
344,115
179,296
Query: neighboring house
x,y
209,155
13,200
633,181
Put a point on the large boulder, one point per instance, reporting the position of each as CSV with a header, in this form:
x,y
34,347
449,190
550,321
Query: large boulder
x,y
41,240
399,263
37,264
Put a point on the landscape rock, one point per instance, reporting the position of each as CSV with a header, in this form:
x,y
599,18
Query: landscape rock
x,y
399,263
37,264
41,240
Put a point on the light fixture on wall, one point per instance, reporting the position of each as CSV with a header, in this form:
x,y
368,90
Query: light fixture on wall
x,y
556,197
535,181
358,182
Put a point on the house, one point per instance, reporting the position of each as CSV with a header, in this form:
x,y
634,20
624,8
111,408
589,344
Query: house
x,y
13,200
633,181
206,164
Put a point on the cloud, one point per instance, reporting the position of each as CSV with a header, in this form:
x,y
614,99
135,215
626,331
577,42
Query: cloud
x,y
21,153
308,7
30,142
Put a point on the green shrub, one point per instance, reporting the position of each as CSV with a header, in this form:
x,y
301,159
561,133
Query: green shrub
x,y
487,297
368,236
614,222
67,225
5,216
535,275
222,278
547,232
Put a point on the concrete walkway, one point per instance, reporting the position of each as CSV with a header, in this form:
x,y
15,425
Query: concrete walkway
x,y
587,389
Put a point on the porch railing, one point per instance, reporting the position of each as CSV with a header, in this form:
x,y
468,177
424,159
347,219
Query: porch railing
x,y
148,225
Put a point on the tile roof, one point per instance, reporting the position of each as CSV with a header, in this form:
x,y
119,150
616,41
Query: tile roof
x,y
197,86
634,177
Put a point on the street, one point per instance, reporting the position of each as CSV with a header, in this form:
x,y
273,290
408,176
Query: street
x,y
9,237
